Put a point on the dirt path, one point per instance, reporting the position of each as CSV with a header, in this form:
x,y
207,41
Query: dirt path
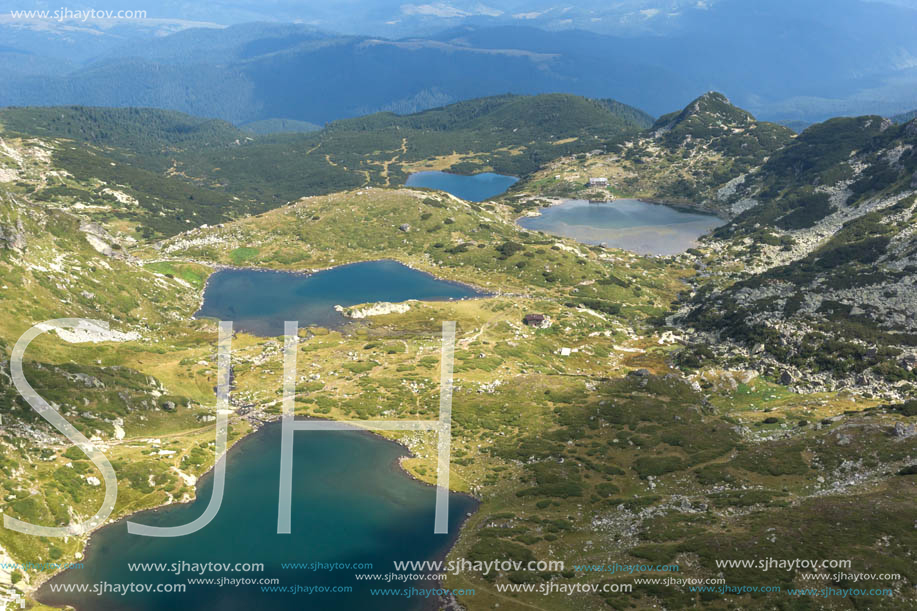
x,y
386,164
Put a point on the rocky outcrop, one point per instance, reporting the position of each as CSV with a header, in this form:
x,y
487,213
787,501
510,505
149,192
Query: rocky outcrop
x,y
377,309
98,238
184,242
12,236
89,331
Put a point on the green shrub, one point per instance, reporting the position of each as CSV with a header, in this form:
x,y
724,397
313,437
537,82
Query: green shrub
x,y
657,465
606,489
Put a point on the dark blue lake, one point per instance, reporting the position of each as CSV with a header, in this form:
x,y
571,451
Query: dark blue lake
x,y
650,229
351,504
259,302
475,188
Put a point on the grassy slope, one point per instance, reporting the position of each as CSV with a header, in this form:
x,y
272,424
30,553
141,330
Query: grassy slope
x,y
102,186
456,239
100,387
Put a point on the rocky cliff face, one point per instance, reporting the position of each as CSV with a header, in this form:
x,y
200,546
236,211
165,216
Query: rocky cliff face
x,y
12,231
12,235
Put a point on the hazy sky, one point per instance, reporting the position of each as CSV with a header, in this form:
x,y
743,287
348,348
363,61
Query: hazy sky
x,y
408,17
351,14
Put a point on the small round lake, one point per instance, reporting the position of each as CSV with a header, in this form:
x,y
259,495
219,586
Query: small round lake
x,y
474,188
351,504
258,302
629,224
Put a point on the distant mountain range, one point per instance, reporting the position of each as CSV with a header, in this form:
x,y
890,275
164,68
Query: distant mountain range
x,y
780,59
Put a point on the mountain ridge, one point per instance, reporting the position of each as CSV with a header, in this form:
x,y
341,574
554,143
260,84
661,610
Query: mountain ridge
x,y
685,157
827,248
182,167
257,71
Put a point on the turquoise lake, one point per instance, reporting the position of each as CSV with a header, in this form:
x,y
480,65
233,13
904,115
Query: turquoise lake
x,y
475,188
351,504
260,301
649,229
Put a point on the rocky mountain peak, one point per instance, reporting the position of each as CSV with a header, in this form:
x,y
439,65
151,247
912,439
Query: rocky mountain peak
x,y
711,110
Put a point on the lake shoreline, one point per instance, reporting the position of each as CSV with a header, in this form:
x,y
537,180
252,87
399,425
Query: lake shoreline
x,y
482,293
475,188
680,206
608,227
33,591
684,207
34,588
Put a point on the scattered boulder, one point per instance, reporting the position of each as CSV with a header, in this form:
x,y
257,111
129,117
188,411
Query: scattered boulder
x,y
747,376
786,378
87,380
98,238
